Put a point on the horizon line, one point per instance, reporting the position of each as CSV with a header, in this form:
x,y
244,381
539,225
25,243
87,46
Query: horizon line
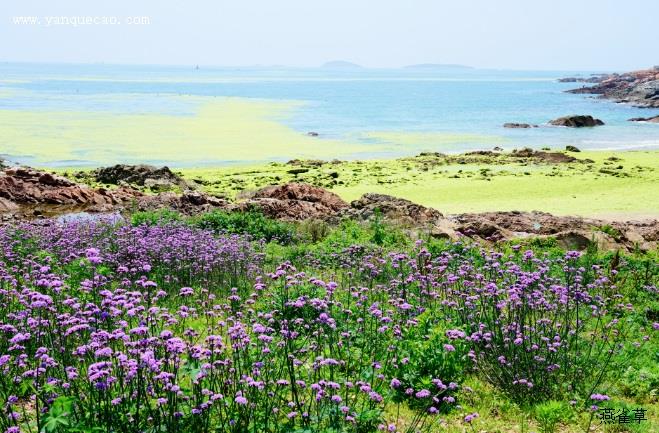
x,y
355,68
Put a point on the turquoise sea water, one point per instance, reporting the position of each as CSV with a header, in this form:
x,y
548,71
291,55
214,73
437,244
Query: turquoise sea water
x,y
341,104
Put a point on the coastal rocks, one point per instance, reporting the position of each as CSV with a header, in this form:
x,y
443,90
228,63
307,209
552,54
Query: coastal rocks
x,y
654,119
543,156
294,202
577,121
513,125
153,178
570,232
639,88
396,210
570,148
22,187
594,78
188,203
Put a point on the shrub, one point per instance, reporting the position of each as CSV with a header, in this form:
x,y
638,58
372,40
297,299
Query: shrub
x,y
253,223
152,218
552,413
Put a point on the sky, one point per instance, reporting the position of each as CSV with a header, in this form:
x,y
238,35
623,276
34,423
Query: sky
x,y
593,35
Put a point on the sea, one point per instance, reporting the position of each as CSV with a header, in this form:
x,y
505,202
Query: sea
x,y
464,107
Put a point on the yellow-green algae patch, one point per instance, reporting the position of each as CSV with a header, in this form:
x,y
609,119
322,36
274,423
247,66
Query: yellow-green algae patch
x,y
221,130
615,185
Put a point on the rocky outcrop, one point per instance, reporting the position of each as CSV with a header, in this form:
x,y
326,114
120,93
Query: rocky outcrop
x,y
654,119
543,156
639,88
569,231
293,202
153,178
577,121
27,186
594,78
395,209
187,203
26,192
513,125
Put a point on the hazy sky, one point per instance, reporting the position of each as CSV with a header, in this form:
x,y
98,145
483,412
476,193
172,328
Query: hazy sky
x,y
520,34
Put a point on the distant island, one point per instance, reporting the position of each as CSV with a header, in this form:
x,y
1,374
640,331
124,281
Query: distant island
x,y
340,64
426,66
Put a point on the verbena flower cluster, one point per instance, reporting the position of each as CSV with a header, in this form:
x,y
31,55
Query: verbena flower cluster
x,y
172,328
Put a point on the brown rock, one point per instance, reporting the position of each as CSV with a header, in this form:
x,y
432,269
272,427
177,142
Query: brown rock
x,y
294,201
397,210
577,121
639,88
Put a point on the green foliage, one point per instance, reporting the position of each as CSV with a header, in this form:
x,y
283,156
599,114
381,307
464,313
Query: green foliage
x,y
151,218
314,230
58,417
253,223
610,230
552,413
429,354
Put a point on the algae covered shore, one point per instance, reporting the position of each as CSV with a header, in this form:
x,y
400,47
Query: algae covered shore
x,y
597,183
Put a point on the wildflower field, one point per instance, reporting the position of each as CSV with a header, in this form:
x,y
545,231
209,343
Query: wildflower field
x,y
226,323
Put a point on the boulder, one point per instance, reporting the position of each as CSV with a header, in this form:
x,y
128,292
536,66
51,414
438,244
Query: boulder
x,y
188,203
393,209
294,201
485,230
577,121
570,148
156,179
22,187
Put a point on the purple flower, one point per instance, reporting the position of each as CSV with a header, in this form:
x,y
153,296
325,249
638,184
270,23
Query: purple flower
x,y
599,397
472,416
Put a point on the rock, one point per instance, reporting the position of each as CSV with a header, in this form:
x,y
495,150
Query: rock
x,y
445,229
156,179
543,156
570,148
573,240
294,201
396,210
7,206
639,88
519,125
485,230
654,119
576,121
26,187
572,232
188,203
297,171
